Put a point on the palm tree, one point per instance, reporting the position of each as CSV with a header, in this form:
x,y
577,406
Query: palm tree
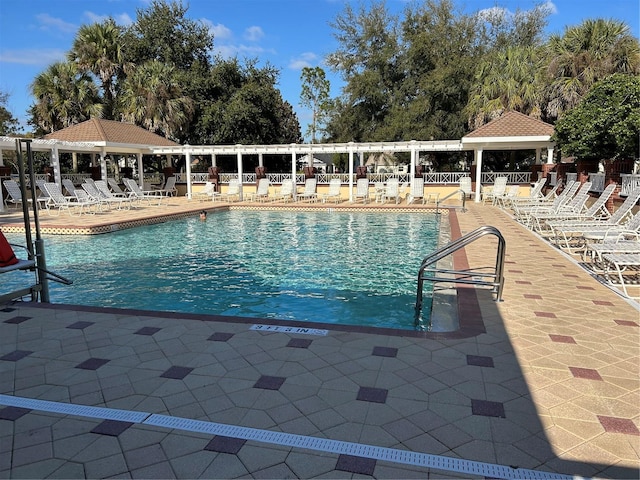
x,y
508,80
64,97
152,98
584,55
97,48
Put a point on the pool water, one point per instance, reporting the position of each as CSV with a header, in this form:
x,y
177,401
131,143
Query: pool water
x,y
331,267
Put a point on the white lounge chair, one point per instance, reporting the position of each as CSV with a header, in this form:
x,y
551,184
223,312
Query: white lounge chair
x,y
391,191
14,194
262,191
574,206
152,197
207,193
362,190
123,202
115,188
285,193
623,269
492,192
169,188
335,184
69,187
465,186
58,202
233,191
309,193
417,190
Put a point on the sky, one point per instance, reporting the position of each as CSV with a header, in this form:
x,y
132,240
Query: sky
x,y
289,34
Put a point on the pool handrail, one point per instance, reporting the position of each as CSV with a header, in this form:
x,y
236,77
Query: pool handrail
x,y
496,279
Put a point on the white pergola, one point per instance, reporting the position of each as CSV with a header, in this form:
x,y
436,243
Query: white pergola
x,y
471,142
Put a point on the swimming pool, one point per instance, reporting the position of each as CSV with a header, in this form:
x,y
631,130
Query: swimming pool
x,y
331,267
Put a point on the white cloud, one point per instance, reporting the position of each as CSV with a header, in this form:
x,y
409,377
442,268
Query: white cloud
x,y
306,59
47,22
219,31
40,56
121,19
494,13
253,34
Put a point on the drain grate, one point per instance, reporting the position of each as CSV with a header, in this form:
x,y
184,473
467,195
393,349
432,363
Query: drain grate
x,y
405,457
71,409
356,449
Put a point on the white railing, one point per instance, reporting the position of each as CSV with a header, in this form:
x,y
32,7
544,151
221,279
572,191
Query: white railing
x,y
436,178
76,178
630,182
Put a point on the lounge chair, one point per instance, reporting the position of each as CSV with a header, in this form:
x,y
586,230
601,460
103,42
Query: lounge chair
x,y
233,191
536,200
574,206
465,186
124,201
169,188
523,212
597,211
102,199
378,190
152,197
14,194
391,191
58,202
115,188
498,188
285,193
362,190
417,190
623,266
309,192
568,234
511,193
69,187
335,184
262,191
207,193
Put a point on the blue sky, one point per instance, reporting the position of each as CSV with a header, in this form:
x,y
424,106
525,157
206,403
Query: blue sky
x,y
289,34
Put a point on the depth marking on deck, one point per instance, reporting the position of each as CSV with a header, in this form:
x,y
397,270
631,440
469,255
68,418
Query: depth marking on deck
x,y
281,329
405,457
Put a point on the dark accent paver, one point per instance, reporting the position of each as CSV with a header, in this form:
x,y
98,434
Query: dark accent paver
x,y
479,361
177,373
113,428
353,464
92,363
374,395
223,444
16,355
385,352
487,408
267,382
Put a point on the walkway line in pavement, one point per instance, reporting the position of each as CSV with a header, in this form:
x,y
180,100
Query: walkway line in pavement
x,y
405,457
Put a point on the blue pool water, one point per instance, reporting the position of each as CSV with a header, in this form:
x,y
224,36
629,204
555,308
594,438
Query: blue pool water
x,y
344,268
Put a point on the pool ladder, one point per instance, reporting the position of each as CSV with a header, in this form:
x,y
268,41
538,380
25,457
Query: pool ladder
x,y
429,271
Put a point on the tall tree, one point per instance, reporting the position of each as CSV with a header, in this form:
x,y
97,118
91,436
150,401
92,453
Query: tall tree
x,y
97,48
64,96
243,106
367,59
584,55
8,123
507,80
151,97
606,123
163,32
315,96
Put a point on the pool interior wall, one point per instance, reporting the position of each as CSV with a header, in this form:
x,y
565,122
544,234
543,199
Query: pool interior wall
x,y
330,267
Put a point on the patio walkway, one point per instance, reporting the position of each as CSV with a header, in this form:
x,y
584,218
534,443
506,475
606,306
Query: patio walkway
x,y
549,381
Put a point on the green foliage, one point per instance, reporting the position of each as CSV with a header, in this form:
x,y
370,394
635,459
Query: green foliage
x,y
606,123
315,96
8,123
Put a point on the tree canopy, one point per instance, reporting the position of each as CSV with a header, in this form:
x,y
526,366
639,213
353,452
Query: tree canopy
x,y
606,123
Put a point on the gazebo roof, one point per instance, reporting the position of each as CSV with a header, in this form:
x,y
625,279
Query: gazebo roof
x,y
108,132
512,130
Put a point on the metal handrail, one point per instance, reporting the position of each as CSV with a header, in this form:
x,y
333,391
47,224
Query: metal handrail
x,y
464,199
462,276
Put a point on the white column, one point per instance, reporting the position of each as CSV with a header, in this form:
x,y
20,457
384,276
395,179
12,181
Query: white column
x,y
240,172
412,167
1,162
103,165
187,153
294,171
140,170
549,154
351,171
478,161
260,160
55,163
